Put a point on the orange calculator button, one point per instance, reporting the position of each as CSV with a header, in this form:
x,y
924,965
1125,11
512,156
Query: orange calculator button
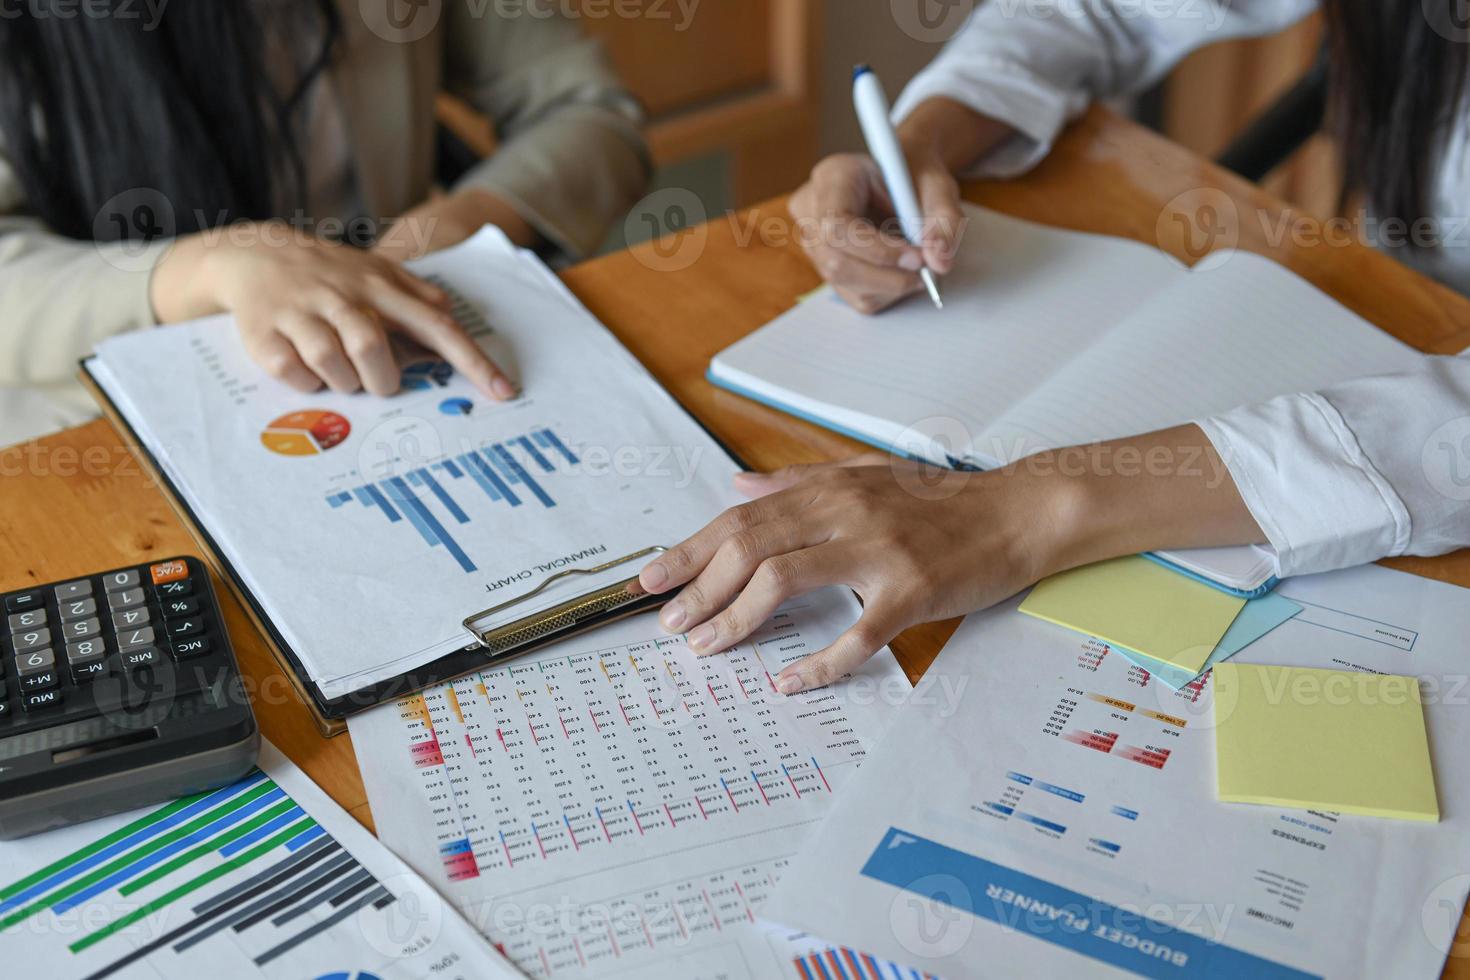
x,y
168,571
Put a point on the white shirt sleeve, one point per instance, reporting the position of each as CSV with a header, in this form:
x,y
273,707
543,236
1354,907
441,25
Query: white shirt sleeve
x,y
1036,64
1363,470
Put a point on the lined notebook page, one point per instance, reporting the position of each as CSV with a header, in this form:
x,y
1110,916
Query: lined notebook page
x,y
1023,301
1239,330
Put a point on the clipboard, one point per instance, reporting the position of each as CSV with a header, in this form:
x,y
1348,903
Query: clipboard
x,y
554,610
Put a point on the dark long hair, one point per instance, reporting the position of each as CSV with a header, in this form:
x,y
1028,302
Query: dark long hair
x,y
1396,85
94,106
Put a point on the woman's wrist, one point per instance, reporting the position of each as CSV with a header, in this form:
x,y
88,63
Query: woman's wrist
x,y
1160,491
951,133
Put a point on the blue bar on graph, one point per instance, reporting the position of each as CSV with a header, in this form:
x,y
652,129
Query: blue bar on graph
x,y
541,440
263,831
451,469
305,837
428,524
492,484
397,492
1074,921
132,870
510,462
369,496
426,479
557,444
497,456
338,499
535,454
132,840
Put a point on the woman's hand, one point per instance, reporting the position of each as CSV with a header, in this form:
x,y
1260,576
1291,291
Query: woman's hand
x,y
841,210
846,223
917,544
315,313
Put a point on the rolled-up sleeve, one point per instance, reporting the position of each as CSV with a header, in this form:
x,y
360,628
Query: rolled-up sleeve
x,y
571,158
1036,65
1364,470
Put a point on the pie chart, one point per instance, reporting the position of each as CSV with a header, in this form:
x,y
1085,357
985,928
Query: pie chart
x,y
306,433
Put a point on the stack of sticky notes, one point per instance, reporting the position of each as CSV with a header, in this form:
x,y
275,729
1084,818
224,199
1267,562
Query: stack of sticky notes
x,y
1323,739
1172,626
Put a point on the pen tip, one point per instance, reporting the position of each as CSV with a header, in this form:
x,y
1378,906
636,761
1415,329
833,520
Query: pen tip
x,y
860,71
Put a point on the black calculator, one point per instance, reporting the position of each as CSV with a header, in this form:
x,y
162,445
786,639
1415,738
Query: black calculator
x,y
117,690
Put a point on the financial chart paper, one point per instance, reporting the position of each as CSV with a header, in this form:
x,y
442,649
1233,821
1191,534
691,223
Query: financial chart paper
x,y
369,528
264,878
615,805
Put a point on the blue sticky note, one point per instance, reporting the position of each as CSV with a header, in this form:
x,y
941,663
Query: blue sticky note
x,y
1257,618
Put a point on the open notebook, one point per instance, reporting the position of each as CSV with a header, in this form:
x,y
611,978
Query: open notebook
x,y
1055,338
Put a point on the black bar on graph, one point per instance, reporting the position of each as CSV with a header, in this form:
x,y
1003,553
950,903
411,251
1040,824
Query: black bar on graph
x,y
282,865
295,884
301,908
281,900
242,892
352,889
369,899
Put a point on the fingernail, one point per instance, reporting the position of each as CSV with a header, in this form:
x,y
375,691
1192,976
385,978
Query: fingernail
x,y
911,261
654,577
674,617
788,684
503,389
702,636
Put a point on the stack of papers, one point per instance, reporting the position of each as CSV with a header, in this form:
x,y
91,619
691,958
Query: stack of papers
x,y
1042,809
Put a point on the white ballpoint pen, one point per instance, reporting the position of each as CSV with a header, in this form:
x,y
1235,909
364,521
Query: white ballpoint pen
x,y
876,119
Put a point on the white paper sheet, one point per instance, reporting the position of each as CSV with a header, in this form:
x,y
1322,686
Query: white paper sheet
x,y
608,465
615,805
306,893
1037,795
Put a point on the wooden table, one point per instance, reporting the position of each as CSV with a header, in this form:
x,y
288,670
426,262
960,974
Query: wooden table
x,y
76,502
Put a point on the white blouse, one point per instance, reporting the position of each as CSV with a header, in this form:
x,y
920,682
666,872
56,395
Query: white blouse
x,y
1364,470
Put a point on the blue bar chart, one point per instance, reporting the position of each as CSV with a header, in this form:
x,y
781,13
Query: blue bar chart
x,y
425,497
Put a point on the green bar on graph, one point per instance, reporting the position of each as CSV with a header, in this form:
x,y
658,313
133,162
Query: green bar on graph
x,y
99,844
135,855
239,861
208,847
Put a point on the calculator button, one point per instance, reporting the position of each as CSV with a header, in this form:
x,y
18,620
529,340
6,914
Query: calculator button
x,y
85,672
85,650
172,590
32,640
117,581
82,629
22,601
140,657
32,700
169,571
4,708
22,621
130,617
36,670
133,639
78,609
184,627
195,647
173,608
73,590
126,599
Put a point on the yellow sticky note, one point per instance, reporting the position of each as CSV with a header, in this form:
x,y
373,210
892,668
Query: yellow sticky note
x,y
1325,739
1136,603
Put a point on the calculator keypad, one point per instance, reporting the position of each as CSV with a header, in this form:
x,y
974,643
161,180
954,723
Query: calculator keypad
x,y
61,639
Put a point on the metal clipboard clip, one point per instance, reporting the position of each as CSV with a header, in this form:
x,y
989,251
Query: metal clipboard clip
x,y
565,617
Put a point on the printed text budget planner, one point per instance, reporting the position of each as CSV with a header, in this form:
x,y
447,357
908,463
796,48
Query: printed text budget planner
x,y
1061,819
615,806
367,528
